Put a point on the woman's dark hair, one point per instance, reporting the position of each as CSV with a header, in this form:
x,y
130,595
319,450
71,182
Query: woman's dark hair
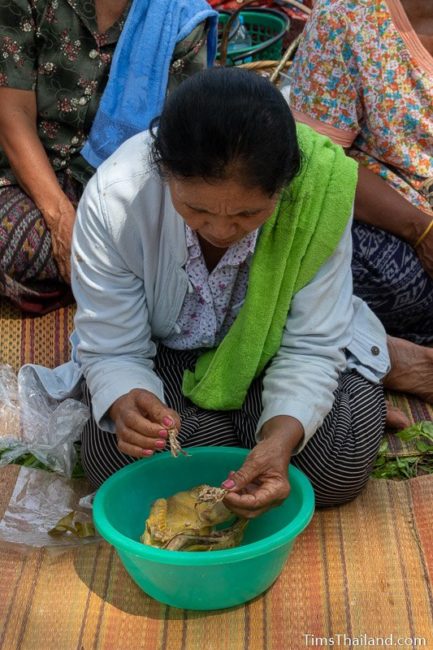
x,y
227,122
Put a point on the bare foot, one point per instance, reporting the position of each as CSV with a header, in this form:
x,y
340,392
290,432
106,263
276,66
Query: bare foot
x,y
395,418
411,369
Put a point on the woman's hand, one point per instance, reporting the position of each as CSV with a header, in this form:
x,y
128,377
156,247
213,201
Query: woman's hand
x,y
262,481
28,159
60,222
141,422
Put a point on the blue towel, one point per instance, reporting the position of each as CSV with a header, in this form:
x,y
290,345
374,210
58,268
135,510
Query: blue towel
x,y
137,85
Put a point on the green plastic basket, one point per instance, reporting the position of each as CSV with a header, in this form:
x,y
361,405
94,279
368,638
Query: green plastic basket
x,y
266,28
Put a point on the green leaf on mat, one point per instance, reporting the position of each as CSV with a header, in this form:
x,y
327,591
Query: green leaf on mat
x,y
424,428
417,462
423,446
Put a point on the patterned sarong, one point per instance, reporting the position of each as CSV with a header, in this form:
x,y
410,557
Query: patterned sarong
x,y
29,275
388,275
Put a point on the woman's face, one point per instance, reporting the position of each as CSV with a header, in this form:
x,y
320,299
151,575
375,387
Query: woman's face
x,y
221,212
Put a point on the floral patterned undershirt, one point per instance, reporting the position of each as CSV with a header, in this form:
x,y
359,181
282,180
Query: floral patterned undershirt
x,y
363,78
213,299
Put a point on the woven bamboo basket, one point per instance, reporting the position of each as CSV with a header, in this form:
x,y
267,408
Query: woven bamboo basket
x,y
274,70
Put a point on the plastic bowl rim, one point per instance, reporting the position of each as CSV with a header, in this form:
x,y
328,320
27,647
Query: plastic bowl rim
x,y
195,558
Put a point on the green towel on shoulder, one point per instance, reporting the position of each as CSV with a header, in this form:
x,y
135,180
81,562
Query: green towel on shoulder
x,y
294,243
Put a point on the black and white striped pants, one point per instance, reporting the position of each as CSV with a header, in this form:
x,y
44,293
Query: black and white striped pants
x,y
337,459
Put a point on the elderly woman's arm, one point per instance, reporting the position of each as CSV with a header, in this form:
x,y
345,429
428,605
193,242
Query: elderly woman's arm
x,y
379,205
115,346
299,384
29,162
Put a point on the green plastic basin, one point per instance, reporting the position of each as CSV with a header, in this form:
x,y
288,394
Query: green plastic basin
x,y
198,580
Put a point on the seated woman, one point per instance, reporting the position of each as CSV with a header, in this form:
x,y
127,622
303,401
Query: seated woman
x,y
363,76
211,269
55,61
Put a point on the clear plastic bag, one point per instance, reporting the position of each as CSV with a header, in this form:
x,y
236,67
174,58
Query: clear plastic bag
x,y
239,39
33,422
39,502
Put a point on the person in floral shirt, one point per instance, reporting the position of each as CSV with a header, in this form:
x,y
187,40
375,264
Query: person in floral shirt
x,y
55,58
363,75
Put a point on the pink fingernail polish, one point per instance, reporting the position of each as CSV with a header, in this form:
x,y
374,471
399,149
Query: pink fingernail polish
x,y
167,421
163,433
160,444
147,452
228,484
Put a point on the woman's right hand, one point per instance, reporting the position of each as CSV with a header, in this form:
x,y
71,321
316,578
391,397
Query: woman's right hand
x,y
142,422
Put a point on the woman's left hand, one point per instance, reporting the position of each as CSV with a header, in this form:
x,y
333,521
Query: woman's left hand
x,y
262,481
